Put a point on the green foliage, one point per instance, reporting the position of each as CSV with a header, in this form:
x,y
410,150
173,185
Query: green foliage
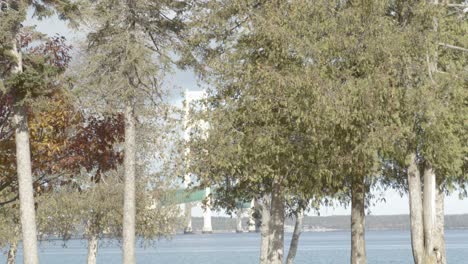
x,y
9,224
12,14
319,94
95,210
431,100
65,9
42,65
126,56
267,125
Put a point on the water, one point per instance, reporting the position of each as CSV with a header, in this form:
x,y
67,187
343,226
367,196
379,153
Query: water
x,y
383,247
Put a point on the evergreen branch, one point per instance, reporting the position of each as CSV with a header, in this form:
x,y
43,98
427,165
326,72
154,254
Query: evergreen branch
x,y
156,44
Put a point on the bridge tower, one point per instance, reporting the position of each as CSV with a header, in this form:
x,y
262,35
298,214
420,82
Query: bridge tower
x,y
239,228
188,209
191,96
207,228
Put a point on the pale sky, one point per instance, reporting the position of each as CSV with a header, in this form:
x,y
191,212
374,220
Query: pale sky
x,y
186,80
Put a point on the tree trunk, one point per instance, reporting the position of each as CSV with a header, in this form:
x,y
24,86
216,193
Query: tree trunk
x,y
295,238
129,188
93,244
429,213
11,258
264,228
416,213
429,196
252,219
439,229
25,179
276,229
188,219
358,243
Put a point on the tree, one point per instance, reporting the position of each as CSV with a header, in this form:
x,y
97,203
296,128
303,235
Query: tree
x,y
299,219
126,59
97,208
428,150
353,60
63,142
257,54
9,231
25,78
266,123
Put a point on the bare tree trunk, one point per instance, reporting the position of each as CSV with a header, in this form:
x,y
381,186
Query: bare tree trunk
x,y
188,219
25,184
416,213
295,238
13,250
129,188
264,228
276,229
11,258
358,243
93,245
25,179
429,213
439,229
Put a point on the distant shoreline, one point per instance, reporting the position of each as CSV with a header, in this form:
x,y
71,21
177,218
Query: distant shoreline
x,y
199,232
234,233
333,223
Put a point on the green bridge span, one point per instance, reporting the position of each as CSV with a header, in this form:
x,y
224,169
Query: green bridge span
x,y
183,196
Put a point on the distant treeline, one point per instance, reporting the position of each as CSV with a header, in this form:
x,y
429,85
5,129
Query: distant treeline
x,y
342,222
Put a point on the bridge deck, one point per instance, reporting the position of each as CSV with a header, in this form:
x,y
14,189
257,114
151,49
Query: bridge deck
x,y
182,196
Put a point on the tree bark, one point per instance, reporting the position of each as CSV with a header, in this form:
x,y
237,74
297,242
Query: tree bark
x,y
416,213
129,187
188,219
429,195
93,245
264,228
429,213
11,257
295,237
252,219
439,229
276,229
25,179
358,243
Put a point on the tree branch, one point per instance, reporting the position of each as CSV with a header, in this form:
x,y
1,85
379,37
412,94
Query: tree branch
x,y
9,201
457,5
453,47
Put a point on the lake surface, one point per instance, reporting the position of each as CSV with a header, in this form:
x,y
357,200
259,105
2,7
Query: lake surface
x,y
383,247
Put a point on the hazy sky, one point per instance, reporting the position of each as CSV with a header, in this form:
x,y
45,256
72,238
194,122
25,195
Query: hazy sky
x,y
182,80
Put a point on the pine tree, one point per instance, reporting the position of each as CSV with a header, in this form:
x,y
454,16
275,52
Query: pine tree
x,y
126,58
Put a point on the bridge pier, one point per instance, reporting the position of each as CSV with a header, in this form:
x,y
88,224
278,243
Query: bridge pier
x,y
207,228
239,228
